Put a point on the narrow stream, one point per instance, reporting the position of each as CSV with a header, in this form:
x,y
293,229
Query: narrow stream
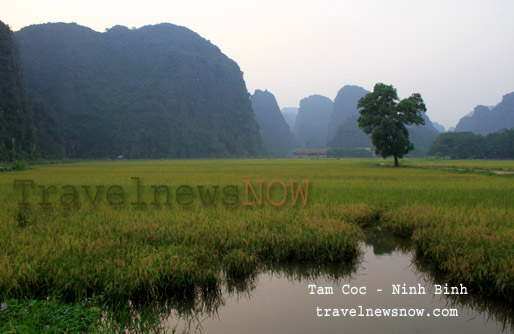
x,y
281,301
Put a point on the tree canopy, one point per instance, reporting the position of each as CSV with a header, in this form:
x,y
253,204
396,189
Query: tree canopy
x,y
384,116
467,145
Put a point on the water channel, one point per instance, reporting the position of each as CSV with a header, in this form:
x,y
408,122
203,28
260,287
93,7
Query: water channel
x,y
280,301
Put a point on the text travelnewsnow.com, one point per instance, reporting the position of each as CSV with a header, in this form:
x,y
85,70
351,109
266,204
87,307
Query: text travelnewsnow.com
x,y
361,311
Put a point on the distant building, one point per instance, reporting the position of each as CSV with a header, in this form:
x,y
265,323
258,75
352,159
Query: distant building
x,y
310,153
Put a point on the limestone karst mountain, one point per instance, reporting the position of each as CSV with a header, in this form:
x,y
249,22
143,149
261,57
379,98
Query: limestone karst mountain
x,y
484,120
310,128
276,136
159,91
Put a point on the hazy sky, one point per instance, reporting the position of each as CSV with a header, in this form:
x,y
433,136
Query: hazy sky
x,y
456,53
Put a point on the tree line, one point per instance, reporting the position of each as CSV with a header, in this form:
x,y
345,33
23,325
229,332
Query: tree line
x,y
467,145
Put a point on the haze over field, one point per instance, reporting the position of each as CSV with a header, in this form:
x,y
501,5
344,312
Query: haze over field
x,y
457,54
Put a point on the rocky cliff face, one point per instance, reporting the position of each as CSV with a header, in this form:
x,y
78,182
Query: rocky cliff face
x,y
277,138
159,91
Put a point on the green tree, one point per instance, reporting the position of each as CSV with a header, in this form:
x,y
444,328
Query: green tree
x,y
468,145
384,117
458,145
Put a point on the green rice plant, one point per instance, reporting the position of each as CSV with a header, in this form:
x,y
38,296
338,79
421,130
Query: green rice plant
x,y
463,222
474,246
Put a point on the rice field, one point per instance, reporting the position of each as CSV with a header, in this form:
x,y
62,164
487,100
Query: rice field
x,y
107,230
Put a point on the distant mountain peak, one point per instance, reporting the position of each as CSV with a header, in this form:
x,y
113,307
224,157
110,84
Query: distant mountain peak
x,y
310,128
277,137
486,119
345,107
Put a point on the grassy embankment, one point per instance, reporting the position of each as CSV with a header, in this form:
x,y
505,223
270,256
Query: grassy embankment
x,y
462,221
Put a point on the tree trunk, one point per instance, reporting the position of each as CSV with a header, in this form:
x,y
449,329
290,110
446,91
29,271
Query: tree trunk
x,y
395,161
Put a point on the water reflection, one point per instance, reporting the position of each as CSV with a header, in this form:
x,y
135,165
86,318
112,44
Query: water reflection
x,y
276,299
240,310
489,309
486,308
385,243
189,311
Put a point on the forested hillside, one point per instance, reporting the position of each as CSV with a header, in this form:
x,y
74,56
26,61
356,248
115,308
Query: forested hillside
x,y
17,133
159,91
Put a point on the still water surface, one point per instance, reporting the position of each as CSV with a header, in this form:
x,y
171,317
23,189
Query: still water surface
x,y
280,301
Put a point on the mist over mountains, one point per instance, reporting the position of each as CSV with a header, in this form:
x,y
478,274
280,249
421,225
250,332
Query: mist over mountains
x,y
290,114
311,125
349,135
422,136
439,127
345,107
156,92
163,91
277,137
484,120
